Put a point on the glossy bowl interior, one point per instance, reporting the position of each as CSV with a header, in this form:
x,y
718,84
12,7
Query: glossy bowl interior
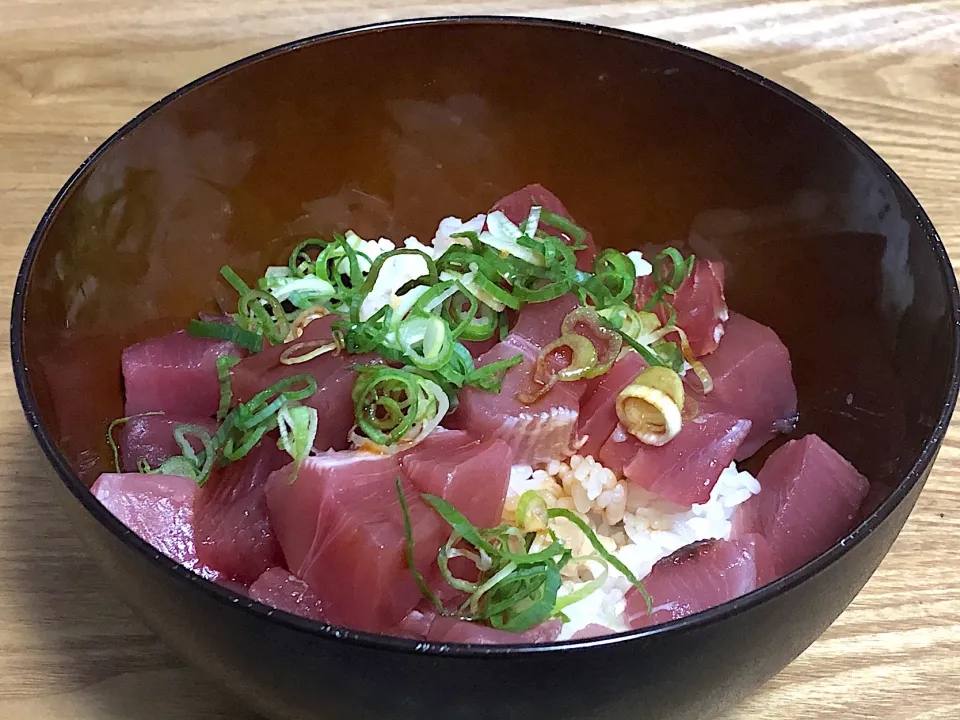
x,y
388,129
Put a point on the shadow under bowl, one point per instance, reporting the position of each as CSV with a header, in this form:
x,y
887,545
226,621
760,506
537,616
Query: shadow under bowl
x,y
385,130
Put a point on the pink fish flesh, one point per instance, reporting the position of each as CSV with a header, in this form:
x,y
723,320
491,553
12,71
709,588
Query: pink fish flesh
x,y
159,509
279,589
598,412
233,528
809,498
341,529
699,302
686,468
470,474
175,373
751,379
700,576
536,432
150,438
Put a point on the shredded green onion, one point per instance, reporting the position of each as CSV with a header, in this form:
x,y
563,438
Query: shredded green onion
x,y
298,430
425,591
225,364
242,428
517,588
559,222
226,331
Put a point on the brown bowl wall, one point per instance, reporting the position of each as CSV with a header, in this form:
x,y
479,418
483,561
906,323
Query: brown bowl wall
x,y
388,129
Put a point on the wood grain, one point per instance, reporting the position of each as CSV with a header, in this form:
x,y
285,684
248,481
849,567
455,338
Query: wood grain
x,y
71,71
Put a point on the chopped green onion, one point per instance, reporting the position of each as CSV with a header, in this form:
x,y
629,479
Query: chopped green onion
x,y
252,308
559,222
426,341
225,364
303,292
298,431
425,591
517,588
226,331
490,377
531,512
236,282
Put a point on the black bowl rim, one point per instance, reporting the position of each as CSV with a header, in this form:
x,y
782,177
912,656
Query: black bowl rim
x,y
324,631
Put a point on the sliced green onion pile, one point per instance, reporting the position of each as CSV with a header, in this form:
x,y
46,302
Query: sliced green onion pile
x,y
463,295
517,586
278,406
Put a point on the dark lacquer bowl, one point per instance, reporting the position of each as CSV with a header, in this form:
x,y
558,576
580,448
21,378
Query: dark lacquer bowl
x,y
387,129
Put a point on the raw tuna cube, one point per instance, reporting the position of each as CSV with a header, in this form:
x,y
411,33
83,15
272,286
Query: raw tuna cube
x,y
341,529
598,413
150,437
470,474
283,591
746,518
536,432
516,206
539,323
334,382
751,379
591,631
684,470
700,576
809,497
158,508
176,374
234,534
416,625
700,304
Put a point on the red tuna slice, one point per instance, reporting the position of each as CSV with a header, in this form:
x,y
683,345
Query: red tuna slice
x,y
809,497
516,206
598,413
539,323
746,518
234,534
341,529
279,589
335,380
150,437
751,379
591,631
700,304
684,470
697,577
176,374
470,474
416,625
537,432
451,630
158,508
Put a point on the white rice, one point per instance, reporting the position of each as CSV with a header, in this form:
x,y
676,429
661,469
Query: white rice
x,y
635,525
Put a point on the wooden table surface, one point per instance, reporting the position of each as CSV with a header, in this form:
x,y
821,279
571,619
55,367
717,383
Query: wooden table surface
x,y
72,71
